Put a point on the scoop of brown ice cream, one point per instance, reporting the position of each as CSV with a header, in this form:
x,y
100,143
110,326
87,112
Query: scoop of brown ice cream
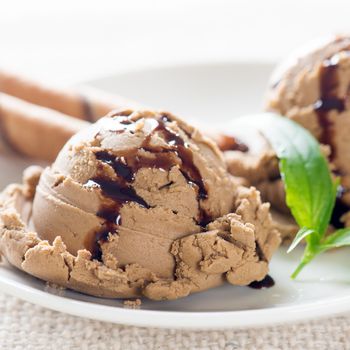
x,y
149,177
140,203
312,88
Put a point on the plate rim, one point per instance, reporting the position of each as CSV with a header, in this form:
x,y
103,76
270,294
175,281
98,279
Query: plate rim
x,y
176,319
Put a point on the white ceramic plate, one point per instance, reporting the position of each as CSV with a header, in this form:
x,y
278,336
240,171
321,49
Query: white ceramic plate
x,y
212,93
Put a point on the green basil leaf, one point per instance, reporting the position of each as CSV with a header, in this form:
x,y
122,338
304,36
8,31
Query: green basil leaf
x,y
324,221
303,232
310,192
339,238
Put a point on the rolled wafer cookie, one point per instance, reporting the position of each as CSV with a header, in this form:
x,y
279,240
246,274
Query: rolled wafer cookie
x,y
86,103
35,131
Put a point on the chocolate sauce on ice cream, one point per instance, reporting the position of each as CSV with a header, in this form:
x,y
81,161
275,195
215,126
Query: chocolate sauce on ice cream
x,y
120,193
130,162
328,100
176,152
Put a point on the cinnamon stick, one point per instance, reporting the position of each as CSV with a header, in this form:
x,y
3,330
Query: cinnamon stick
x,y
87,103
35,131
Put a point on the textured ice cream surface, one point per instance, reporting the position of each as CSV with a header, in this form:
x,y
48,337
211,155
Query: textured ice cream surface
x,y
149,177
249,156
132,207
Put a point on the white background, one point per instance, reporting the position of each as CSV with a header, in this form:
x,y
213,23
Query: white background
x,y
70,41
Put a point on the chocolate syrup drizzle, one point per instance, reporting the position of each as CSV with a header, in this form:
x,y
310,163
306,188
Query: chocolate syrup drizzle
x,y
230,143
328,100
267,282
340,208
126,164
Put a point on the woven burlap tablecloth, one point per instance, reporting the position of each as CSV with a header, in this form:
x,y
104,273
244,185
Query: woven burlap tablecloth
x,y
26,326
